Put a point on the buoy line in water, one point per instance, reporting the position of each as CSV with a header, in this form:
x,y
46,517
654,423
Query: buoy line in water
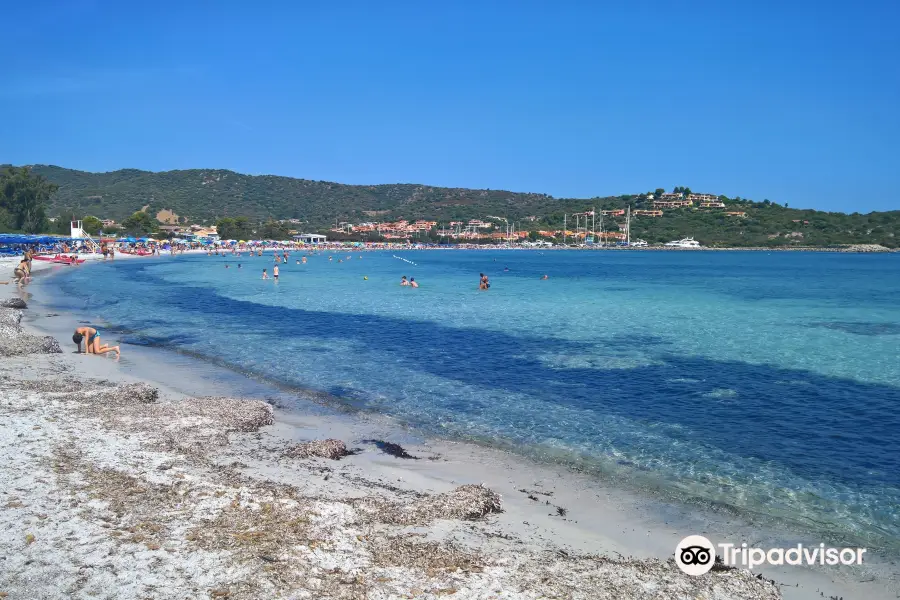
x,y
404,260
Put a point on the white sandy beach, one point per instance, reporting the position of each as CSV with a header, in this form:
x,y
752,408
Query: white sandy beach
x,y
118,486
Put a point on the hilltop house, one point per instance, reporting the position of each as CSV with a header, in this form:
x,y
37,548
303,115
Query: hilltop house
x,y
700,198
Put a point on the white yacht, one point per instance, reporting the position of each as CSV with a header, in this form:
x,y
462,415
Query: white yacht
x,y
687,242
638,244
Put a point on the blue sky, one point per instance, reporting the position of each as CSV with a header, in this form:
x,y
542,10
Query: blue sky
x,y
792,101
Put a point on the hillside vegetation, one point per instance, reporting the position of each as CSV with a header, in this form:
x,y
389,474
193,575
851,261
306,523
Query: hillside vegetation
x,y
205,196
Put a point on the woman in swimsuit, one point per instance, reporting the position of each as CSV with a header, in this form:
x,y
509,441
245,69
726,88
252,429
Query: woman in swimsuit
x,y
92,346
20,273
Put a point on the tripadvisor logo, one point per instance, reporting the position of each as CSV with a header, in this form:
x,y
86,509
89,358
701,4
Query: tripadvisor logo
x,y
696,555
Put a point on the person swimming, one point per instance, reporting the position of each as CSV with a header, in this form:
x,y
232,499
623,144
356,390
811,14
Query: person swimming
x,y
484,283
412,282
545,277
505,269
403,281
92,346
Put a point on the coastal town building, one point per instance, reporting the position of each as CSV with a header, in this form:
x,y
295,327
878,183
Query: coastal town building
x,y
700,198
672,203
671,196
310,238
712,204
108,223
479,224
736,213
647,213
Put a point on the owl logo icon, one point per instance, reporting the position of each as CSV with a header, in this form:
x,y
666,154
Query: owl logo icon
x,y
695,555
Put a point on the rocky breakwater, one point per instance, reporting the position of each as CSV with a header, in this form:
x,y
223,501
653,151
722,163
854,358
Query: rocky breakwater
x,y
14,341
865,248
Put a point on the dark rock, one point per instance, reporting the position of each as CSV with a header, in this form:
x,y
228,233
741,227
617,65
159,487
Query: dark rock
x,y
13,303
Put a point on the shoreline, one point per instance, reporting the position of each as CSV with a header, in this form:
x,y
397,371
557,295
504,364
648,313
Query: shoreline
x,y
606,515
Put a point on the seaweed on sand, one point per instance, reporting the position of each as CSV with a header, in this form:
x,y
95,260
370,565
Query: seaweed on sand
x,y
330,448
391,448
466,503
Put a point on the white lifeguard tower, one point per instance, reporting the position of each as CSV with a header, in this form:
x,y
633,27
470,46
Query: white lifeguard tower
x,y
77,230
78,233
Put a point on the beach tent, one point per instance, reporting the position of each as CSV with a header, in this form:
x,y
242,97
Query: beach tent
x,y
129,240
21,238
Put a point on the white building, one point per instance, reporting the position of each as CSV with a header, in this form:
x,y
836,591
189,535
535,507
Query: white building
x,y
310,238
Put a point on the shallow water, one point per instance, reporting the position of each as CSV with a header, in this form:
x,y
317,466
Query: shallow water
x,y
766,382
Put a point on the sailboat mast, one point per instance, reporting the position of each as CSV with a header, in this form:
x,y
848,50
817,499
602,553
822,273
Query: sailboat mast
x,y
628,227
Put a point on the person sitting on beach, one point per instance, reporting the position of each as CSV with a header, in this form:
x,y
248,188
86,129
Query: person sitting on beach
x,y
403,281
265,275
412,282
92,346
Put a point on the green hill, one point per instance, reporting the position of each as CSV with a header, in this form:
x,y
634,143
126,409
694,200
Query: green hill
x,y
203,196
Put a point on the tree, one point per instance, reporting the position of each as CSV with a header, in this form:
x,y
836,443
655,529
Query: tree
x,y
659,192
273,230
534,236
234,229
24,197
92,225
140,223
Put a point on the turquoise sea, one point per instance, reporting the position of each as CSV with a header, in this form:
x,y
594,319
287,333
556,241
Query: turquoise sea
x,y
764,382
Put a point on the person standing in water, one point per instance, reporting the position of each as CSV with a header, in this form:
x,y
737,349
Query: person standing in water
x,y
412,282
403,281
265,274
484,283
275,272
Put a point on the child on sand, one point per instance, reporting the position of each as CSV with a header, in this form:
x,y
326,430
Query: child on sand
x,y
92,346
